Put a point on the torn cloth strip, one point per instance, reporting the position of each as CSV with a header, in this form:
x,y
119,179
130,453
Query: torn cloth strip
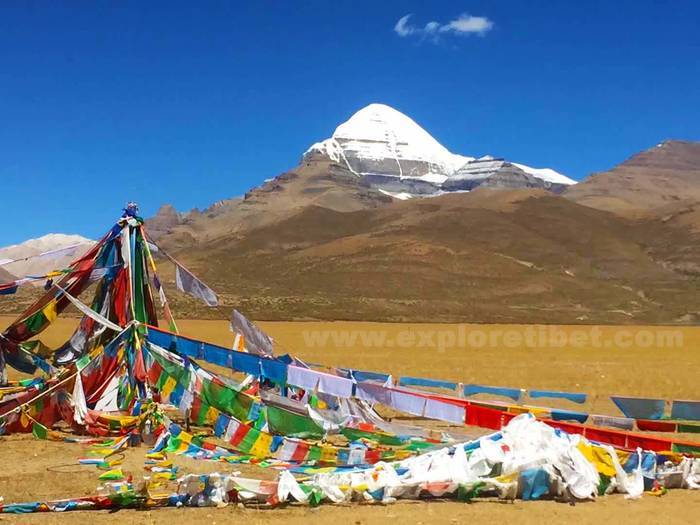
x,y
256,341
188,283
90,312
640,408
576,398
513,393
164,302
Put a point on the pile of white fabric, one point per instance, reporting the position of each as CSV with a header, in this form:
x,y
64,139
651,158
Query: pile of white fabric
x,y
528,459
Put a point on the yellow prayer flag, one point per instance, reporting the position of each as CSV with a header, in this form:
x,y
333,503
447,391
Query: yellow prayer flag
x,y
508,478
164,475
100,452
49,311
168,387
185,437
328,454
402,454
600,458
113,474
212,415
261,447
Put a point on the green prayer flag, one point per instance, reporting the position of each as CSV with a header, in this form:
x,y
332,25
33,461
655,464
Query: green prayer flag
x,y
689,428
290,424
36,322
40,431
173,445
469,492
355,434
314,453
82,362
202,416
686,449
249,440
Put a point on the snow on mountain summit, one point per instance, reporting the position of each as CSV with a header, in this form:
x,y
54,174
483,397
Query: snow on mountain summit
x,y
380,134
546,174
392,152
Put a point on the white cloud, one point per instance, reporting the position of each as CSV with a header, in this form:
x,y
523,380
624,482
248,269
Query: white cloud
x,y
432,27
464,24
402,28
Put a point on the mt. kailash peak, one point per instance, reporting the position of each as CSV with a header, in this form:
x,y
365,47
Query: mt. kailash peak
x,y
394,154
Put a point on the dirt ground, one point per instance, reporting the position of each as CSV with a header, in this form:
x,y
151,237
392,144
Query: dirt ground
x,y
32,470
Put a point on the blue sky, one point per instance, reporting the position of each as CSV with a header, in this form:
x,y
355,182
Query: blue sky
x,y
102,102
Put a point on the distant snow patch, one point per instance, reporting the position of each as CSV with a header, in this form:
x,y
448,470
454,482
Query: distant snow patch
x,y
402,196
546,174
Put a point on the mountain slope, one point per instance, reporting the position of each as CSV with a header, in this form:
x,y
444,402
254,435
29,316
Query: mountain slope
x,y
507,256
655,182
315,182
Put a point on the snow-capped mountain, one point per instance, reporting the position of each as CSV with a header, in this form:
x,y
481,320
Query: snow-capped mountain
x,y
38,256
394,154
379,139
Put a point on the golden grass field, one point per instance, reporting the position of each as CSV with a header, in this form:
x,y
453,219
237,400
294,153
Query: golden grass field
x,y
604,363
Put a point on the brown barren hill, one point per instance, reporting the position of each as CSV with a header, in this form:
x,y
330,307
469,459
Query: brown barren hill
x,y
319,183
486,256
651,183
